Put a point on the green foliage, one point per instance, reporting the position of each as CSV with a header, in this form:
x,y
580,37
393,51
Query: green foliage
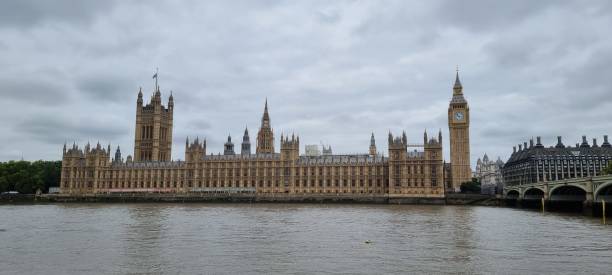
x,y
26,177
608,170
471,186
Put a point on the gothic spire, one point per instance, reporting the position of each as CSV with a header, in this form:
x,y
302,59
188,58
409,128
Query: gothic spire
x,y
457,81
457,88
458,91
266,116
372,141
117,154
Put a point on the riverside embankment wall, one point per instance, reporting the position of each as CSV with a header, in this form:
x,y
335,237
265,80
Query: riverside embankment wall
x,y
451,199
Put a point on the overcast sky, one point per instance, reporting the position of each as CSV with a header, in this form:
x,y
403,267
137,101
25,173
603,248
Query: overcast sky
x,y
333,71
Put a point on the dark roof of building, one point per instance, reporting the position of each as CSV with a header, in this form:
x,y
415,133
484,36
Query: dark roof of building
x,y
532,152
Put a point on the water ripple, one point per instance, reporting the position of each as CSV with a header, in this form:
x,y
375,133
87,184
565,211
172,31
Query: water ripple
x,y
297,239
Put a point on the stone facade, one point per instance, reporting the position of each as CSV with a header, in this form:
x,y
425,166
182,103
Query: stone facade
x,y
153,132
489,173
404,173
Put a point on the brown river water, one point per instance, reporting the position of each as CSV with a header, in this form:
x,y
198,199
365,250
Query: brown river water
x,y
297,239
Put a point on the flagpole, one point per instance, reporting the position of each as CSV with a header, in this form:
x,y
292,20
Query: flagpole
x,y
156,77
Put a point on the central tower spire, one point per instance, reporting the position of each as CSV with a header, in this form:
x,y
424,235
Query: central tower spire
x,y
265,136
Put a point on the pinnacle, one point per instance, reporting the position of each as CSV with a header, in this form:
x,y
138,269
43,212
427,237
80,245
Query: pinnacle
x,y
457,81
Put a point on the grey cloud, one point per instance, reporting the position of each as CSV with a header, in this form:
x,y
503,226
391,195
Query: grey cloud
x,y
55,130
28,89
106,87
332,71
27,13
482,15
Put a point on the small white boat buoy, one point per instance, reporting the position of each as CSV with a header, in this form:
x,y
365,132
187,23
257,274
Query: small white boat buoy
x,y
368,242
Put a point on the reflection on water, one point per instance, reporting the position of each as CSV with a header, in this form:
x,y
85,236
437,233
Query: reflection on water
x,y
141,234
296,239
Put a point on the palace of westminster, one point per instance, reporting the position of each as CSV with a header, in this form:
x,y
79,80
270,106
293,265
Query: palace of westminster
x,y
404,172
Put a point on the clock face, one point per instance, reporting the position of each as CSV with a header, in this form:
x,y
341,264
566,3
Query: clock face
x,y
459,116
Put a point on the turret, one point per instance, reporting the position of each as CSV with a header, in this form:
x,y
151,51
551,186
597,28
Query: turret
x,y
595,143
194,151
397,148
118,155
246,143
432,147
425,137
139,101
372,146
171,102
290,148
228,146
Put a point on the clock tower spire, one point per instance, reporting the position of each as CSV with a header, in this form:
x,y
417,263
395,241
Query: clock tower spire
x,y
459,130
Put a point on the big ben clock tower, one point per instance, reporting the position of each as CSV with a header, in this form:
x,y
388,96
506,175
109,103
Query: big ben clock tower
x,y
459,130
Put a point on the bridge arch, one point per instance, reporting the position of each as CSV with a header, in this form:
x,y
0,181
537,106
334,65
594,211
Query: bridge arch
x,y
554,189
533,193
604,191
512,194
569,192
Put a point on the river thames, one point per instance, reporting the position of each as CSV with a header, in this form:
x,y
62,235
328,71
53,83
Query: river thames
x,y
297,239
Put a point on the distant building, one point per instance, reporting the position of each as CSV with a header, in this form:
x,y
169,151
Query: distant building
x,y
489,173
536,163
327,151
312,150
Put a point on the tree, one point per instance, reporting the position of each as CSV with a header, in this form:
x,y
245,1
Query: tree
x,y
472,187
4,184
26,177
608,170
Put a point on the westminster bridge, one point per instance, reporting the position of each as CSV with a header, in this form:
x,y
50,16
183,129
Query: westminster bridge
x,y
573,193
